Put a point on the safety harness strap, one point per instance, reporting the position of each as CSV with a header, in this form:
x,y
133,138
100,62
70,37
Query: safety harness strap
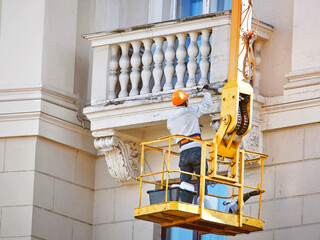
x,y
185,141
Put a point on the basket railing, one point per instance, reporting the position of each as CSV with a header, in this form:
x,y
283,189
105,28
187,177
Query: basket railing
x,y
164,181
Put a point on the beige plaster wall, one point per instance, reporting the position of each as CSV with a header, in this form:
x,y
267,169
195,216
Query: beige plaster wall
x,y
305,47
114,14
276,53
83,55
24,24
43,40
60,29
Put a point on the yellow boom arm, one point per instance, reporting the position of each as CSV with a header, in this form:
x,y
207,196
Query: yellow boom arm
x,y
236,98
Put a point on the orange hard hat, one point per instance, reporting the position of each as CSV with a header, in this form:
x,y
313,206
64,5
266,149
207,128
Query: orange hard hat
x,y
179,97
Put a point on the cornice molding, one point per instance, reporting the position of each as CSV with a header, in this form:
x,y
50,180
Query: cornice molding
x,y
159,29
196,23
39,92
135,113
291,111
39,111
301,81
40,124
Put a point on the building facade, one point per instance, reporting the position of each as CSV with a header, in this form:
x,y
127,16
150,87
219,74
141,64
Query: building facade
x,y
83,82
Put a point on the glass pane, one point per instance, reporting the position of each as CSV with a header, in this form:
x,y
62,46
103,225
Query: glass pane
x,y
220,5
190,8
181,234
212,237
227,4
219,190
214,6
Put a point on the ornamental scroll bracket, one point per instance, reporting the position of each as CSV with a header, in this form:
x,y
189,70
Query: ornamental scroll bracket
x,y
122,155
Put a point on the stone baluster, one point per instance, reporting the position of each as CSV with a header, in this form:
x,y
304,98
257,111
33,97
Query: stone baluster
x,y
193,51
169,68
124,69
181,60
257,55
135,72
158,59
146,69
205,49
113,77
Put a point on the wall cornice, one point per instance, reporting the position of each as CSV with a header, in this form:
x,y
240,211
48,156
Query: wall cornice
x,y
159,29
38,111
55,96
131,114
291,110
301,81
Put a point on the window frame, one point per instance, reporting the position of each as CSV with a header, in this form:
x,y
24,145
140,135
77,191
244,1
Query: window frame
x,y
206,7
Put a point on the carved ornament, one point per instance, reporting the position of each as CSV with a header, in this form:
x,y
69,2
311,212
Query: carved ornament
x,y
122,157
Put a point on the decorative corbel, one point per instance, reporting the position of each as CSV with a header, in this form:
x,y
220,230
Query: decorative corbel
x,y
122,155
253,140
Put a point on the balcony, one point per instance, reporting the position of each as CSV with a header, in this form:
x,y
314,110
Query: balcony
x,y
135,70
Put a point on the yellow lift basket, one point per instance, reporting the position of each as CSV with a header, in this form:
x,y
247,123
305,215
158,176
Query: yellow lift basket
x,y
196,216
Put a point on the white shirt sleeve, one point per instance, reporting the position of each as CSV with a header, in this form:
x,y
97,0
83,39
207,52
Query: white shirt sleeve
x,y
204,106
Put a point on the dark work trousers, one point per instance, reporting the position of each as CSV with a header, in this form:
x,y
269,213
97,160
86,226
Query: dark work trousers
x,y
190,160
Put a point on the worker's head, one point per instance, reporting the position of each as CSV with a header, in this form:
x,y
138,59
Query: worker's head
x,y
179,98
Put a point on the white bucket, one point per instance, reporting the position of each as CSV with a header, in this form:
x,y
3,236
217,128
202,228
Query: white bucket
x,y
187,186
210,202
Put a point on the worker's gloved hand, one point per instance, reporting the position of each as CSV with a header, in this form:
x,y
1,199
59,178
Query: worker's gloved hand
x,y
206,87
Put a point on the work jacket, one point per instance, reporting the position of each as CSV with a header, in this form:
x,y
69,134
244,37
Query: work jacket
x,y
184,121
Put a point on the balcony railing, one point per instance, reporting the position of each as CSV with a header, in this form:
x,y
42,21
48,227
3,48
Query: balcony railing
x,y
161,57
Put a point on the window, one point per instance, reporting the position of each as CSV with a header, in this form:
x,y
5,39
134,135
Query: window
x,y
163,10
188,8
220,5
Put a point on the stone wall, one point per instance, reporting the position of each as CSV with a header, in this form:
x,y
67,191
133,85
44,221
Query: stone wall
x,y
17,162
46,190
63,192
114,204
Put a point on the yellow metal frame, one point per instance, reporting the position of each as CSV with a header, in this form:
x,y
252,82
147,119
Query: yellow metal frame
x,y
197,217
226,142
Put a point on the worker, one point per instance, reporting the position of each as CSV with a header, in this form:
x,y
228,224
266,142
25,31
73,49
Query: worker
x,y
184,120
